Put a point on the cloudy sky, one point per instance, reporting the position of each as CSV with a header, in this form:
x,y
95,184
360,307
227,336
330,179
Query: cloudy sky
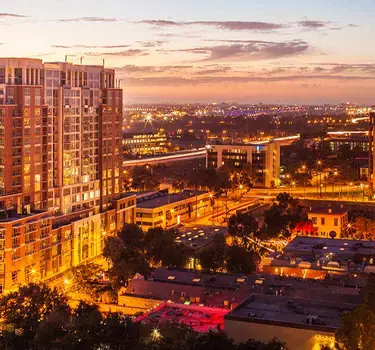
x,y
275,51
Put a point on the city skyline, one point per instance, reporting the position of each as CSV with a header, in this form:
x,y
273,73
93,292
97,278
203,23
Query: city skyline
x,y
273,52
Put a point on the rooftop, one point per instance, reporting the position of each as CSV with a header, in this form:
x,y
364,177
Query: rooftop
x,y
152,200
195,293
328,211
313,314
16,217
200,236
262,283
329,245
201,319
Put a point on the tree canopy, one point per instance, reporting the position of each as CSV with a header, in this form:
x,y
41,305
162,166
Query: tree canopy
x,y
41,319
133,251
357,331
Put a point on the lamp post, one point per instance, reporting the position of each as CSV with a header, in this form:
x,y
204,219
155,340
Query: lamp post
x,y
363,191
335,174
304,180
319,164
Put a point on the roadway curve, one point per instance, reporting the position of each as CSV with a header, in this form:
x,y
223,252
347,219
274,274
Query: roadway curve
x,y
172,157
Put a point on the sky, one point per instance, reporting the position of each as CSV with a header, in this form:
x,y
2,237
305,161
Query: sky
x,y
247,51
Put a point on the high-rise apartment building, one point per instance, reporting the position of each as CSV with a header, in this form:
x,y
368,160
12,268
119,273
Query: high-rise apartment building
x,y
60,161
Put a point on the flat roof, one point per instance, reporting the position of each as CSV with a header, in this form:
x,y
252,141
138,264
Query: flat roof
x,y
188,277
329,245
204,295
152,200
199,236
201,319
328,210
291,312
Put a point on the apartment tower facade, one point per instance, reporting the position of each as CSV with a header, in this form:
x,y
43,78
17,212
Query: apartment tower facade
x,y
60,166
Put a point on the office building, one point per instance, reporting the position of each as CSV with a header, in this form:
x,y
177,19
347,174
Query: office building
x,y
164,209
136,144
264,159
60,161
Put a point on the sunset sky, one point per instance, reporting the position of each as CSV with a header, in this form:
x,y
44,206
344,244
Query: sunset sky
x,y
271,51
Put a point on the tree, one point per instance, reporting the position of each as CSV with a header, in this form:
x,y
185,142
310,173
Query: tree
x,y
357,331
87,279
243,227
252,344
127,254
363,228
283,215
25,308
143,178
306,227
239,260
213,257
162,249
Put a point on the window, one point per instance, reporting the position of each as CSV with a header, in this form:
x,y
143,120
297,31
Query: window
x,y
27,100
314,219
336,222
322,221
14,277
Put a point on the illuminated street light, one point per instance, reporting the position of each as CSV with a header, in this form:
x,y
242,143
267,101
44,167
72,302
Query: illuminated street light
x,y
66,282
156,335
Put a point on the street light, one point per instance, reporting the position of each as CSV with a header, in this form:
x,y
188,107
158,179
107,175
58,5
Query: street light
x,y
319,163
304,167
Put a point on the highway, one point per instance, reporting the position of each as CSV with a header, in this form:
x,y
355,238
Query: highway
x,y
172,157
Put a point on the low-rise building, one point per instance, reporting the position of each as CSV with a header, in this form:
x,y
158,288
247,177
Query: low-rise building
x,y
329,220
164,209
138,144
263,157
38,246
201,319
303,324
317,257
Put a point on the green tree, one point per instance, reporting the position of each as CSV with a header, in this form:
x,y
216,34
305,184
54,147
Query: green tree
x,y
239,260
357,331
283,215
252,344
87,279
127,254
25,308
243,227
162,249
213,257
143,179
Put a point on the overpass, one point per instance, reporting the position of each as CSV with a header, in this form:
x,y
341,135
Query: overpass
x,y
169,158
198,153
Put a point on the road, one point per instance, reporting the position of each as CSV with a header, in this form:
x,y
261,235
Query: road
x,y
219,214
329,192
171,157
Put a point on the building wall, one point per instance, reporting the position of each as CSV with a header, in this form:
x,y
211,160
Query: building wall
x,y
327,222
172,214
138,304
60,152
296,338
145,144
263,158
39,247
